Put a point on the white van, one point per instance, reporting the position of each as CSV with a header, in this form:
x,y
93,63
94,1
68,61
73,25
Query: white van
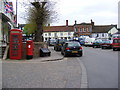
x,y
89,41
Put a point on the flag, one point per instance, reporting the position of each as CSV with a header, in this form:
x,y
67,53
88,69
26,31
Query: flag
x,y
8,8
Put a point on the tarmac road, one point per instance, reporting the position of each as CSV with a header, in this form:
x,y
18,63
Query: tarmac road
x,y
102,67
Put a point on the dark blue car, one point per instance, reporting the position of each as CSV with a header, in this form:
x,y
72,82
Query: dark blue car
x,y
80,40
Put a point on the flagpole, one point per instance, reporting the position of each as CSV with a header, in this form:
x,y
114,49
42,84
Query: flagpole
x,y
16,11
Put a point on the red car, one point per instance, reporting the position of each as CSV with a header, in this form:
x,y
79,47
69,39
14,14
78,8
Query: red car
x,y
116,44
106,44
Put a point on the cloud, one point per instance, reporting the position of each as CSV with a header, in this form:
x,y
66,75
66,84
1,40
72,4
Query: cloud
x,y
84,10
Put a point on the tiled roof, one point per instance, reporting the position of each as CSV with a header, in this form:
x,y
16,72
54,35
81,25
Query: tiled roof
x,y
84,23
102,28
58,28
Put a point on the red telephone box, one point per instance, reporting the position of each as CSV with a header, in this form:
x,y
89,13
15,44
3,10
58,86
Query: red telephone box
x,y
15,51
29,49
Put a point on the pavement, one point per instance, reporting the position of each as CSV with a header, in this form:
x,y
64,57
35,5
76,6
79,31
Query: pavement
x,y
54,56
72,73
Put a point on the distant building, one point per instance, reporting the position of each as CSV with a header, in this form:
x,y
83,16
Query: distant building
x,y
83,29
58,32
53,32
104,31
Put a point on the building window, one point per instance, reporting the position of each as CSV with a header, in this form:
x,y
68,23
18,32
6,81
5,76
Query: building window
x,y
45,39
69,38
49,34
45,34
97,35
102,34
65,37
69,33
84,29
55,34
80,29
89,29
61,34
76,29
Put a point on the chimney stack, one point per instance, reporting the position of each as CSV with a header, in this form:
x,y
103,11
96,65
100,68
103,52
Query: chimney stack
x,y
48,25
75,22
92,23
66,22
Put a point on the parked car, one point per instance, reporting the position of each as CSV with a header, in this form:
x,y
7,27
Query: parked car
x,y
78,39
51,42
89,41
59,43
106,44
97,43
72,48
116,44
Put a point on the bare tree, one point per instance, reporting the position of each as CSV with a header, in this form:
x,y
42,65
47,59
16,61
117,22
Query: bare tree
x,y
41,13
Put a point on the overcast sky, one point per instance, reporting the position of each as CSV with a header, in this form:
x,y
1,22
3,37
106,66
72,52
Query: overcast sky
x,y
102,12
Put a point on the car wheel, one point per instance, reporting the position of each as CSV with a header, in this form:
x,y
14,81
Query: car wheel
x,y
49,54
56,49
81,54
102,47
62,53
114,49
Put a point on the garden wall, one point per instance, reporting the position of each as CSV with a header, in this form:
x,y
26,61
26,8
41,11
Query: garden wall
x,y
36,49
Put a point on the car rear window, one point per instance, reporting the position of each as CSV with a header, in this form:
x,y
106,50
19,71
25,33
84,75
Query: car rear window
x,y
106,41
73,44
62,40
116,40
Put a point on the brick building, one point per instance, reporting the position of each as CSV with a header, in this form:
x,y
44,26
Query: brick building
x,y
84,29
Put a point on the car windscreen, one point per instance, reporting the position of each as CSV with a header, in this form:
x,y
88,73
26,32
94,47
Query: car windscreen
x,y
73,44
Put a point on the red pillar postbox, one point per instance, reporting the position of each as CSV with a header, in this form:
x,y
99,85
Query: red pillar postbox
x,y
29,49
15,51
